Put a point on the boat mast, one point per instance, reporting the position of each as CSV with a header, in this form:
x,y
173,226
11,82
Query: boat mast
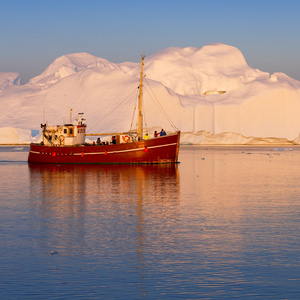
x,y
140,128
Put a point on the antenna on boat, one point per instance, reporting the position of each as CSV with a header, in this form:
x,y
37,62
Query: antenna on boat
x,y
44,111
140,127
65,117
71,116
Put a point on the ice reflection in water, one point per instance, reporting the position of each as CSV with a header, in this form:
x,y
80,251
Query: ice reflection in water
x,y
222,224
247,203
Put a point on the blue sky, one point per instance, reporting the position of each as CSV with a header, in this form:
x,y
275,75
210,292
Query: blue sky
x,y
35,32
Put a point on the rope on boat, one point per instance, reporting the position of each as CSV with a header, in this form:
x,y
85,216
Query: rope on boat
x,y
155,100
144,119
112,110
152,97
134,109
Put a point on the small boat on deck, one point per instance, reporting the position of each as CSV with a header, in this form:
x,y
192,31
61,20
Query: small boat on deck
x,y
65,144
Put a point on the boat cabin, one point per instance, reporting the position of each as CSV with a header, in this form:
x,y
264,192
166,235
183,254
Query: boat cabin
x,y
65,135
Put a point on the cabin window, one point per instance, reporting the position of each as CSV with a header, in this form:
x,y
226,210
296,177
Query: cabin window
x,y
71,130
81,130
65,131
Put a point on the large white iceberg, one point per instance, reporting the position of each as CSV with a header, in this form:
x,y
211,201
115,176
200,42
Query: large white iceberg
x,y
209,93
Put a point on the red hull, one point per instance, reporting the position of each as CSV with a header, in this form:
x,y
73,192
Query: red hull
x,y
158,150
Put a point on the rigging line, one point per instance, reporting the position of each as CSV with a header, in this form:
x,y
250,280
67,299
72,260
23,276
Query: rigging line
x,y
159,106
144,115
77,101
112,111
134,109
144,118
73,96
155,100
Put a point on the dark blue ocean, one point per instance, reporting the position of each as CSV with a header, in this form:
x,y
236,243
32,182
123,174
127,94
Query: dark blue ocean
x,y
222,224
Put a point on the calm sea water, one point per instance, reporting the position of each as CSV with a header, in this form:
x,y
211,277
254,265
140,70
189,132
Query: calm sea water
x,y
223,224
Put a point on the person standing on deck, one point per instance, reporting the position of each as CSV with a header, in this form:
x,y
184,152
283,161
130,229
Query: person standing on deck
x,y
162,133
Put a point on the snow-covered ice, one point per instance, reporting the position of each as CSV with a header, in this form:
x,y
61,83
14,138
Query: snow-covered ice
x,y
209,93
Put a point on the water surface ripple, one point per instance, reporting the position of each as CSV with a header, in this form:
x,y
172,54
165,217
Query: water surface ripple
x,y
222,224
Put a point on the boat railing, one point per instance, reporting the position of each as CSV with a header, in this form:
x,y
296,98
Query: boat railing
x,y
112,133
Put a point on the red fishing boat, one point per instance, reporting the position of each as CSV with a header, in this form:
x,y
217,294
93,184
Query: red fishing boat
x,y
65,144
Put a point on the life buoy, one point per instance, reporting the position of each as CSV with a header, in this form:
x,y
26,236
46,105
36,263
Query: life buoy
x,y
126,138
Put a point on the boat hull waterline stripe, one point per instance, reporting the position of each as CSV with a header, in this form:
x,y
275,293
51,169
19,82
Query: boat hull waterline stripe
x,y
106,152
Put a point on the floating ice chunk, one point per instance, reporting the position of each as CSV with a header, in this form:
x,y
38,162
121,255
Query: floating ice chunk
x,y
282,149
